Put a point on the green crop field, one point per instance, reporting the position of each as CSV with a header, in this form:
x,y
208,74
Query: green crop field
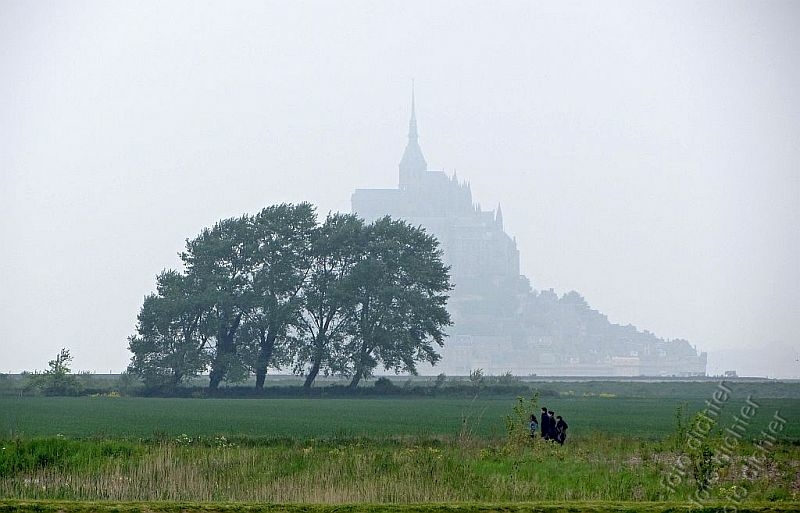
x,y
648,418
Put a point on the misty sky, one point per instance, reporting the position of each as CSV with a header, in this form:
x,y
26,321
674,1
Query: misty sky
x,y
646,154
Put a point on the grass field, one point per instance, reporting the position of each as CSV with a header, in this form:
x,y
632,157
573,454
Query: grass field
x,y
388,471
535,507
649,418
393,454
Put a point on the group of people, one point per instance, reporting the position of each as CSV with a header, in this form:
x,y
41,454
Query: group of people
x,y
552,427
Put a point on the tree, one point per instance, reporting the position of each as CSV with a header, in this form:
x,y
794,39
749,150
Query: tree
x,y
273,289
219,265
401,289
239,295
172,340
57,380
328,298
280,265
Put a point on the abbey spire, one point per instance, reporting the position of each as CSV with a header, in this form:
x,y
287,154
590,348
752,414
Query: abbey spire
x,y
413,164
498,216
412,124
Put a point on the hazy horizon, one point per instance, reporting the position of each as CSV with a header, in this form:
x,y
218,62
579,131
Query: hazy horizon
x,y
646,155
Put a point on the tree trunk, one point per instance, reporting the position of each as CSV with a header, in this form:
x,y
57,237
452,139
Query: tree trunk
x,y
265,349
360,366
225,349
316,361
312,374
354,382
219,367
215,376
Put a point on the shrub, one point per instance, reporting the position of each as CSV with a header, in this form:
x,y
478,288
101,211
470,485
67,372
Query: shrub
x,y
384,383
518,422
57,380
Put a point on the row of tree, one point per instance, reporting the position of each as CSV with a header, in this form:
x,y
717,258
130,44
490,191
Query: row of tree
x,y
280,290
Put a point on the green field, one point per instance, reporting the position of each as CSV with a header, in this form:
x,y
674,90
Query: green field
x,y
517,507
391,471
648,418
394,454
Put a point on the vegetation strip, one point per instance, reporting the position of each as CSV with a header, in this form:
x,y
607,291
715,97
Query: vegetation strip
x,y
362,471
450,465
545,507
134,417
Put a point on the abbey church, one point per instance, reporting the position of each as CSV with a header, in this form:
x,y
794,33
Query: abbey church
x,y
500,323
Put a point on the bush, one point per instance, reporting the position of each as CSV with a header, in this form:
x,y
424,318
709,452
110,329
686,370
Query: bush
x,y
57,380
518,422
383,383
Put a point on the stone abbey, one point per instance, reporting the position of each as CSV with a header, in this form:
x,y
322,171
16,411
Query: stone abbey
x,y
500,323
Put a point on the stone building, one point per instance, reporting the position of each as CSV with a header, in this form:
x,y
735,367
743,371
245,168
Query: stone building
x,y
492,305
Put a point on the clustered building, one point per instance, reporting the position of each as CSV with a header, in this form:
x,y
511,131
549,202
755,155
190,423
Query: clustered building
x,y
500,323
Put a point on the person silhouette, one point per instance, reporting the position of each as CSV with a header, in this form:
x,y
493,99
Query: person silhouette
x,y
545,426
534,425
561,430
551,425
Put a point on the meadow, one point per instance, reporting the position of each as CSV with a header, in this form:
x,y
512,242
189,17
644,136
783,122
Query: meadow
x,y
62,454
311,418
135,417
390,471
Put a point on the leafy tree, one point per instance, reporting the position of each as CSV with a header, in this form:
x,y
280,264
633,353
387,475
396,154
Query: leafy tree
x,y
328,298
271,289
127,382
58,379
172,340
219,265
401,288
279,267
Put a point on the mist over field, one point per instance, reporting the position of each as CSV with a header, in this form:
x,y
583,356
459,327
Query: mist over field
x,y
645,154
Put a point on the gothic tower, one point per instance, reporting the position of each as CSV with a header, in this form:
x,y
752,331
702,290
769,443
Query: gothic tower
x,y
412,165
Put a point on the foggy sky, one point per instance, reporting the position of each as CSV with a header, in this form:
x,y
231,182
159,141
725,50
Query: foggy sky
x,y
645,154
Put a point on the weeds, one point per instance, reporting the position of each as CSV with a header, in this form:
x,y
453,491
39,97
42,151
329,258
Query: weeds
x,y
595,467
701,450
681,426
518,432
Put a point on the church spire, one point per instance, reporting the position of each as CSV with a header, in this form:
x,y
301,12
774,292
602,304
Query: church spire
x,y
412,124
499,216
413,164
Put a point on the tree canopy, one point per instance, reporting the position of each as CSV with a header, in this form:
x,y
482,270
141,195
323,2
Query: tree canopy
x,y
279,290
58,378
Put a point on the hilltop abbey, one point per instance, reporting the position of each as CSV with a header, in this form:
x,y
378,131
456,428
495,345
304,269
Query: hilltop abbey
x,y
500,323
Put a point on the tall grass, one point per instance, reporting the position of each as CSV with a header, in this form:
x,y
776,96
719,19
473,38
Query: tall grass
x,y
592,468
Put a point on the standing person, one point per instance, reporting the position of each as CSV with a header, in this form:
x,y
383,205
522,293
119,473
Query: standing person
x,y
551,424
561,429
534,425
544,425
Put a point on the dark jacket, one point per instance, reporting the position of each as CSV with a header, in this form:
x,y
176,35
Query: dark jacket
x,y
551,424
